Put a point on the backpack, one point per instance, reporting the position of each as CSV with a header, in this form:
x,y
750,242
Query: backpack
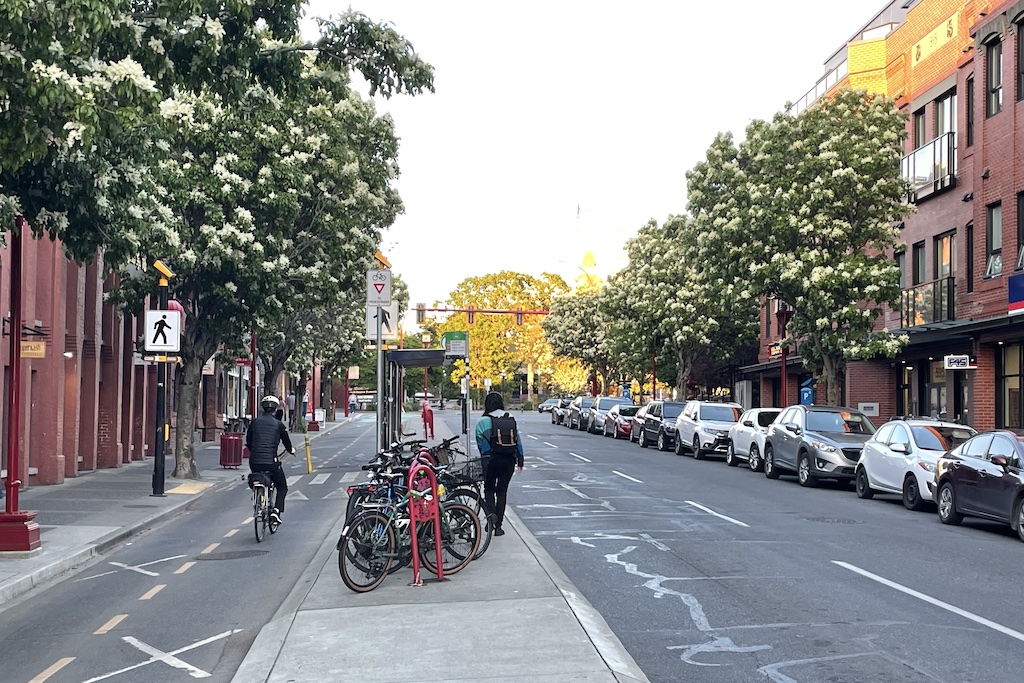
x,y
503,435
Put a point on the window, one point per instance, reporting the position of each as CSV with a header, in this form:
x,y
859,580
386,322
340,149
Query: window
x,y
978,446
767,317
901,263
1020,62
883,433
970,110
1020,231
993,78
1008,392
994,240
945,114
970,256
917,276
945,256
1001,446
899,435
919,132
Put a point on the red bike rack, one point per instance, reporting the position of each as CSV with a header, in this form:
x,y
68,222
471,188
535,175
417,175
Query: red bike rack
x,y
424,508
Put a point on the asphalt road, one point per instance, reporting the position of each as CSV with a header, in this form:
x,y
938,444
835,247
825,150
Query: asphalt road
x,y
189,596
713,574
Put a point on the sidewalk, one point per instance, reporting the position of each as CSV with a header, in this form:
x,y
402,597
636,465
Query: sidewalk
x,y
86,516
511,615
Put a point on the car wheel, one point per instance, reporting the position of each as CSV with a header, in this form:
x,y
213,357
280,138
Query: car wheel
x,y
863,484
662,446
754,459
803,472
642,439
730,456
769,463
947,505
678,448
1020,519
912,494
698,454
590,426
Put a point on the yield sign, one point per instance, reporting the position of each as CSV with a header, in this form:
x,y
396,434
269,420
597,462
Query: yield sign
x,y
378,288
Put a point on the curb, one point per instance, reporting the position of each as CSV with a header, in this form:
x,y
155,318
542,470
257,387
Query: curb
x,y
608,646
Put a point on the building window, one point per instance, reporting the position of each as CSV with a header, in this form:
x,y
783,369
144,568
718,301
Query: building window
x,y
1011,379
1020,62
970,110
767,317
919,132
945,256
993,78
1020,231
970,255
994,240
917,263
901,264
945,114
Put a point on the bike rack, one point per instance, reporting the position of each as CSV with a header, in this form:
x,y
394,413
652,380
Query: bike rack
x,y
424,507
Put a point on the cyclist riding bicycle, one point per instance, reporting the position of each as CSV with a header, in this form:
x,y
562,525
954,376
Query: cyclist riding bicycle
x,y
265,434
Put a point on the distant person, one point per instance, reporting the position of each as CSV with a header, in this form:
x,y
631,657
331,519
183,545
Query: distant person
x,y
353,403
265,434
497,436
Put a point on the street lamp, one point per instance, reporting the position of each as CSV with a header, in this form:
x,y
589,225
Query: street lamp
x,y
783,315
426,342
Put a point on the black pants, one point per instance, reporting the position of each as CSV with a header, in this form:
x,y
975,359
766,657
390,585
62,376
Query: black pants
x,y
496,480
280,482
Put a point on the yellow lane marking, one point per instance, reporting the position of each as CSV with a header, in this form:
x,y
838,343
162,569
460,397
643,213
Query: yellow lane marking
x,y
153,591
231,533
247,520
54,668
209,549
190,487
184,568
109,626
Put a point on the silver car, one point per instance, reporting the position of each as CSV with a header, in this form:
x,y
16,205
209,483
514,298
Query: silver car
x,y
816,442
598,412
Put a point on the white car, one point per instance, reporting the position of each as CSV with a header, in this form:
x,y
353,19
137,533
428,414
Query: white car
x,y
900,458
703,427
746,438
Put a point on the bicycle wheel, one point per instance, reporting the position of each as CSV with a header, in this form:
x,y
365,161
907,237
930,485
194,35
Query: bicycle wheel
x,y
460,537
259,512
365,552
270,522
472,499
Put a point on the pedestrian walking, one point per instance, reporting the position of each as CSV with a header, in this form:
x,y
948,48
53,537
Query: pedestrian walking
x,y
497,438
353,403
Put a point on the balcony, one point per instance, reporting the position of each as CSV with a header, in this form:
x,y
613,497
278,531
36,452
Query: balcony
x,y
931,168
931,302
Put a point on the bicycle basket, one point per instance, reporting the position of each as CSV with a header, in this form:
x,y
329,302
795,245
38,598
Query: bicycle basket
x,y
472,469
260,478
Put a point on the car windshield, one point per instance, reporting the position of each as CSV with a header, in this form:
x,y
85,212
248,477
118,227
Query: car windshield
x,y
608,402
628,411
936,438
719,413
766,417
838,421
587,402
672,410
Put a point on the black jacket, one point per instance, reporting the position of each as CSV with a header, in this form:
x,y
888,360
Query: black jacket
x,y
263,437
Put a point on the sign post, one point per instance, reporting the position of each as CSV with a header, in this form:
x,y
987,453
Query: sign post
x,y
163,334
378,297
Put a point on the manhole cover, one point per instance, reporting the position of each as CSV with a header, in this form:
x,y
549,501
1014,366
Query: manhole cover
x,y
832,520
232,555
138,506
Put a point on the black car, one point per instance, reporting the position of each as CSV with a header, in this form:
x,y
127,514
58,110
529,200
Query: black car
x,y
578,412
982,477
660,424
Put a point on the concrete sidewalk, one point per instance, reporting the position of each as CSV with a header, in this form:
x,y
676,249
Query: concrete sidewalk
x,y
90,514
511,615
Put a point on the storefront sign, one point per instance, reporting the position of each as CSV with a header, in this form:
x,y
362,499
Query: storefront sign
x,y
939,36
1015,294
774,349
962,362
33,349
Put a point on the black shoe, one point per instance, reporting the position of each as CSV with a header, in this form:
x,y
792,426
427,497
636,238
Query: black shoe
x,y
499,531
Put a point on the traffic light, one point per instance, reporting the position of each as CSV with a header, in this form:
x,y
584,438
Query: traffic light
x,y
519,315
421,314
469,314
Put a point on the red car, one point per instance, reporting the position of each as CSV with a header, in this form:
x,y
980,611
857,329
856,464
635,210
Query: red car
x,y
619,420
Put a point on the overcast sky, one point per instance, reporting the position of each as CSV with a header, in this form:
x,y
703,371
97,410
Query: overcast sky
x,y
563,126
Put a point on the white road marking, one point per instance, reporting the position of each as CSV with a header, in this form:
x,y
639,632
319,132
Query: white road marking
x,y
531,436
349,476
772,670
933,601
575,455
135,568
547,443
293,480
716,514
158,656
297,495
338,493
320,478
626,476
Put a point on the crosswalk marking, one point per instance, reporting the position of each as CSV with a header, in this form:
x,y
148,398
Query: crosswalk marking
x,y
337,493
349,476
294,479
321,478
298,495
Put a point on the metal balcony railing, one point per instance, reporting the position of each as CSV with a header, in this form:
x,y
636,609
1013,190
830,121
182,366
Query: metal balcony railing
x,y
931,302
931,168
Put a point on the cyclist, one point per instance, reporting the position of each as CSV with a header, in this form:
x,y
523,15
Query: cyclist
x,y
265,434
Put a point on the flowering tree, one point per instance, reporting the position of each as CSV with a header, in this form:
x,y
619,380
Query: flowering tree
x,y
823,194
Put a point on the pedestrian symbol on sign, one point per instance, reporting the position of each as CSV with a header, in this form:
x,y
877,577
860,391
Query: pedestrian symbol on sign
x,y
161,330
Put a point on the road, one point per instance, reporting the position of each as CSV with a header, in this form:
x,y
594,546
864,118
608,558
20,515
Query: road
x,y
190,594
712,574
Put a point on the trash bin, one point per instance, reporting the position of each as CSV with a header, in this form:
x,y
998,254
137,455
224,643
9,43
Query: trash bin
x,y
231,449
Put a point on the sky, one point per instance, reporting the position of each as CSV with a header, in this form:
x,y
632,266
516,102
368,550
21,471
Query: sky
x,y
564,126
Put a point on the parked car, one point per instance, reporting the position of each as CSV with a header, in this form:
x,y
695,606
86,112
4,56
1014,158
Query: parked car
x,y
660,424
703,427
638,423
578,412
900,458
619,420
547,405
600,408
982,477
746,437
816,442
559,410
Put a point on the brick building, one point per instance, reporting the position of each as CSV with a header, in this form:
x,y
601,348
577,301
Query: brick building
x,y
957,69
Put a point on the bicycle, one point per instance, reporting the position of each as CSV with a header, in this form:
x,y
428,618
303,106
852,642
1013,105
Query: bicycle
x,y
262,485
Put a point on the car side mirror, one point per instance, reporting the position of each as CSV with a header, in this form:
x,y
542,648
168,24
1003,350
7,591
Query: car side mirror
x,y
748,423
791,426
898,447
999,461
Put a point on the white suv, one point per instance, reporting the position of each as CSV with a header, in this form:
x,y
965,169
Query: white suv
x,y
703,428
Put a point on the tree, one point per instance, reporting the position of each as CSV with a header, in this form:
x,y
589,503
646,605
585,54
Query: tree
x,y
825,193
577,328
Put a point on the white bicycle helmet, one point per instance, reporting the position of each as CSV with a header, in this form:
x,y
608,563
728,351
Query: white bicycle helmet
x,y
271,402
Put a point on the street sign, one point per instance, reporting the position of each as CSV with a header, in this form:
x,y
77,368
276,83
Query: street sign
x,y
378,288
33,349
163,331
456,344
389,326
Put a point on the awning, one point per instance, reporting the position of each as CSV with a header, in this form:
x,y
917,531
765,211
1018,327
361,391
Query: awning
x,y
415,358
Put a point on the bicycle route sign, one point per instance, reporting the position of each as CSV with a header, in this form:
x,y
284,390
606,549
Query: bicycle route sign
x,y
378,288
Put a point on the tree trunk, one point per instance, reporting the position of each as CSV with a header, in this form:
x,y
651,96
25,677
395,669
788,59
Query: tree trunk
x,y
684,362
300,391
831,369
184,444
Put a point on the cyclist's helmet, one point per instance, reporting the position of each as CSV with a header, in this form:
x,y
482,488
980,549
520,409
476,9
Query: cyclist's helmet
x,y
269,403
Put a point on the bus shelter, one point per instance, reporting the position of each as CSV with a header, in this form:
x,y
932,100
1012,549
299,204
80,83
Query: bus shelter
x,y
396,362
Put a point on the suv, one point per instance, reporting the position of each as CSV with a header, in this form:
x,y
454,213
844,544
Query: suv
x,y
703,428
816,442
660,424
578,412
600,409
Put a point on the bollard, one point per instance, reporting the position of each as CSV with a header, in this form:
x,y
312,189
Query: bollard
x,y
424,507
309,459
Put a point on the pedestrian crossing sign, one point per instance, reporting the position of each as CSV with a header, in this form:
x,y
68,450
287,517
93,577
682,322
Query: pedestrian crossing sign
x,y
163,331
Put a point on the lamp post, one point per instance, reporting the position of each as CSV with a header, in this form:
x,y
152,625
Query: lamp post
x,y
783,315
426,342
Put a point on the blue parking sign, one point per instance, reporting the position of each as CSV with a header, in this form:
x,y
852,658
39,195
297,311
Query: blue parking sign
x,y
806,396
